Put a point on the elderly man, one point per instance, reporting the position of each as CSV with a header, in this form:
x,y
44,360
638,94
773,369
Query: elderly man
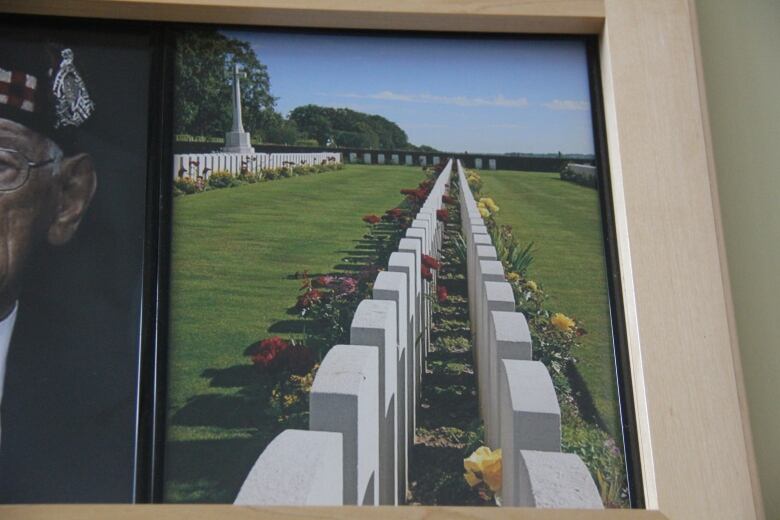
x,y
45,187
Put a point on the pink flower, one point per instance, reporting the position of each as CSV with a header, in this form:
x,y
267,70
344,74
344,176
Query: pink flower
x,y
309,298
347,285
441,294
325,281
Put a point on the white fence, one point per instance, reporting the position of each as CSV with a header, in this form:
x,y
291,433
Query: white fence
x,y
196,165
517,400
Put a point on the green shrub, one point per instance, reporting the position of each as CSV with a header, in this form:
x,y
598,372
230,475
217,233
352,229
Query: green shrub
x,y
185,185
222,180
271,174
248,177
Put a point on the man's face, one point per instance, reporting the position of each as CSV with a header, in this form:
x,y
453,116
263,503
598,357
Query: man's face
x,y
46,207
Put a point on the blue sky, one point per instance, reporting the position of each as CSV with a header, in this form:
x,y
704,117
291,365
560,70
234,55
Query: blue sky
x,y
477,95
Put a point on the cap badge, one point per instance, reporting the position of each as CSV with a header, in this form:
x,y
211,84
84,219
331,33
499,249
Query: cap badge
x,y
73,103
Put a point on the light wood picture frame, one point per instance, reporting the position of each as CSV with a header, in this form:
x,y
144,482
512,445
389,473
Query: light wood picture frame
x,y
694,436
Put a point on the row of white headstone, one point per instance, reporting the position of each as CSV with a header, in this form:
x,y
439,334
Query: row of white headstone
x,y
193,165
408,160
394,158
517,399
362,405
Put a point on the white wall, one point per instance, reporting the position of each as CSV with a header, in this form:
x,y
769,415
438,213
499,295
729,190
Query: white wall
x,y
740,43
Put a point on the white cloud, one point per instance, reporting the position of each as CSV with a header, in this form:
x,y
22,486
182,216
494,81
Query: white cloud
x,y
566,104
461,101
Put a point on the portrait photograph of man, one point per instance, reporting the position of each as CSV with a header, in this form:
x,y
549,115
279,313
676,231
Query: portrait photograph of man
x,y
73,183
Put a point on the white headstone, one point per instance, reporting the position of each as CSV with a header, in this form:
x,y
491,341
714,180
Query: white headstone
x,y
405,263
374,325
344,399
393,286
298,468
551,481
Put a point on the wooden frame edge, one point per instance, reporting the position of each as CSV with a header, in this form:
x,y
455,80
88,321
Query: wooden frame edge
x,y
554,16
530,16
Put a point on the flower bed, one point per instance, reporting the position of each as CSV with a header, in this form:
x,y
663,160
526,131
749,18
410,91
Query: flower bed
x,y
326,303
224,179
555,342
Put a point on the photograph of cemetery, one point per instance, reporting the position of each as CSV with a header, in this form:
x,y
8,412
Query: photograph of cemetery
x,y
388,276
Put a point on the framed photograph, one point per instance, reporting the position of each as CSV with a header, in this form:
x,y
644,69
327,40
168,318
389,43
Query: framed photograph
x,y
279,292
74,286
317,188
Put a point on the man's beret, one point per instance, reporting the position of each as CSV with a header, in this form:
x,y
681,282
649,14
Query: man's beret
x,y
42,88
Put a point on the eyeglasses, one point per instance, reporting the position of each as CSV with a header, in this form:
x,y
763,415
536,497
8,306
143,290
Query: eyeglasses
x,y
15,168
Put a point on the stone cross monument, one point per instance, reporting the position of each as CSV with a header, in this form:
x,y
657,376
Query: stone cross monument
x,y
237,140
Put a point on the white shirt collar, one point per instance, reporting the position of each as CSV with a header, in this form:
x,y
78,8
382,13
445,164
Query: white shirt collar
x,y
6,330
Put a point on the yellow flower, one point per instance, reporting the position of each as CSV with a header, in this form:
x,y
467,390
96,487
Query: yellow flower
x,y
474,461
471,479
513,277
484,212
562,322
489,204
492,473
484,464
532,285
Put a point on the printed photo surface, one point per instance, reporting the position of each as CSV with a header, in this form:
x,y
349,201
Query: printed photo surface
x,y
389,277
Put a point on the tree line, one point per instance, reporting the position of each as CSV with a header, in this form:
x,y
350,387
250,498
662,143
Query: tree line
x,y
204,65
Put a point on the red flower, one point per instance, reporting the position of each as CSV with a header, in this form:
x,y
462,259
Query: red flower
x,y
371,219
394,213
309,298
430,262
426,273
447,199
441,293
265,353
443,215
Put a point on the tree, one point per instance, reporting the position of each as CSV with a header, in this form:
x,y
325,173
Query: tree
x,y
204,64
347,127
313,122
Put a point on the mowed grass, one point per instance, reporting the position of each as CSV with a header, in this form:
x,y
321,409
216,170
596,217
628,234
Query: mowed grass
x,y
234,258
564,222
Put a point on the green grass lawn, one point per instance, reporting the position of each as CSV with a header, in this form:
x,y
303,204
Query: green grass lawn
x,y
564,222
234,259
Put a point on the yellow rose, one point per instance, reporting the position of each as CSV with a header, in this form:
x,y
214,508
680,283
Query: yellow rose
x,y
513,277
471,479
491,472
532,285
489,204
562,322
484,212
474,461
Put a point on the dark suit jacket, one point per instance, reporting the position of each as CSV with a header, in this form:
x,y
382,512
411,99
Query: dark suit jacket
x,y
68,411
69,402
